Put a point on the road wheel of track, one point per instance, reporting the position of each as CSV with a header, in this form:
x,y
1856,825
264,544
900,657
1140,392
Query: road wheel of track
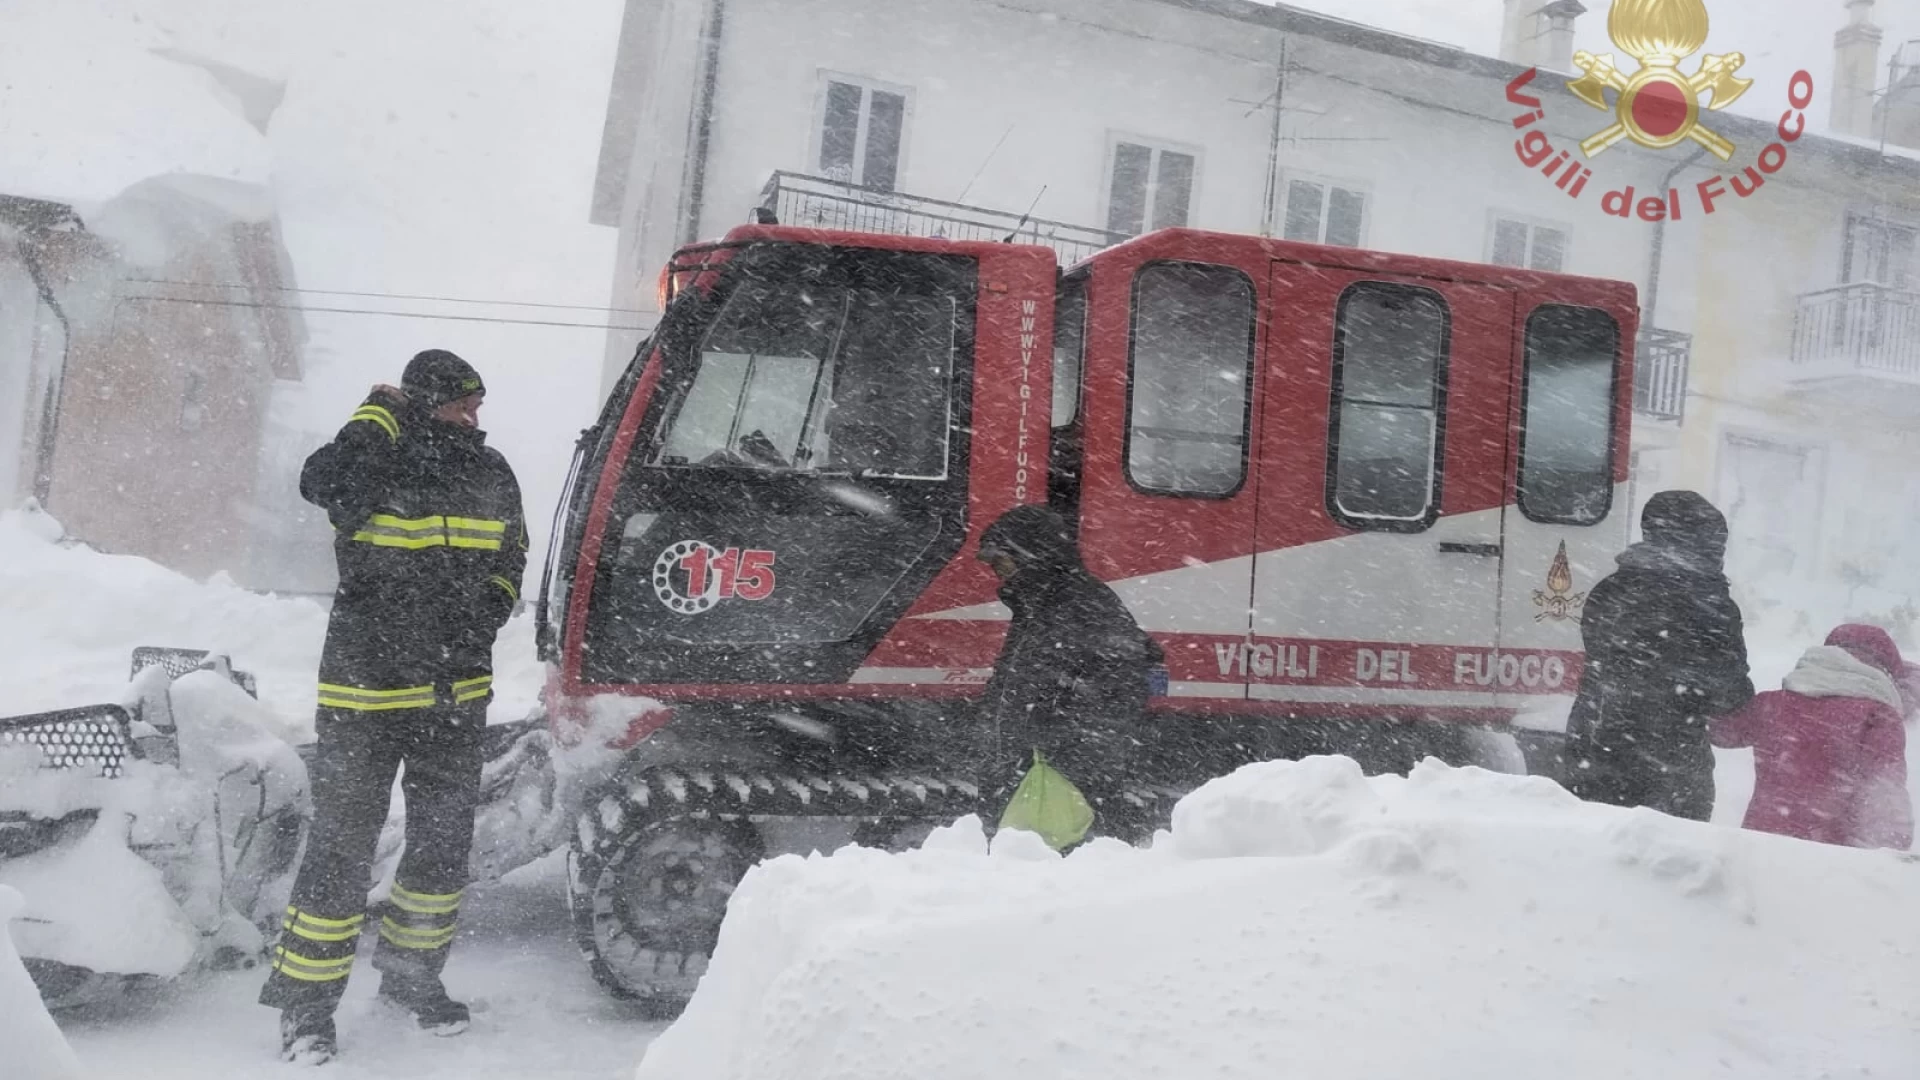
x,y
647,904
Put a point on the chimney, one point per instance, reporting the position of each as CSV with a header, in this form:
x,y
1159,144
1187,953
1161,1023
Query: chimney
x,y
1856,72
1539,33
1555,50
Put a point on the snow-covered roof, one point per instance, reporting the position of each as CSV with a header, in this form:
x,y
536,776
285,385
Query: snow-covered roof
x,y
90,109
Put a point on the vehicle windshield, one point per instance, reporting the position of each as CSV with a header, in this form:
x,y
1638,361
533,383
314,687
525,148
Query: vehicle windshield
x,y
815,378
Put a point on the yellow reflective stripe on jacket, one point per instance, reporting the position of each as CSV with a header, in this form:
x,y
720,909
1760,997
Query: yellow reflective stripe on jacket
x,y
472,689
478,533
426,903
479,525
385,530
353,697
378,414
513,594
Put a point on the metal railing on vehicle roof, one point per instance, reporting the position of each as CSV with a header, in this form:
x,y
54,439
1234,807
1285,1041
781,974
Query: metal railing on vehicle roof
x,y
817,202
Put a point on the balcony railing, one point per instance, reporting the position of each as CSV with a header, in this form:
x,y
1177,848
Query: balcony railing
x,y
1660,374
818,203
1861,328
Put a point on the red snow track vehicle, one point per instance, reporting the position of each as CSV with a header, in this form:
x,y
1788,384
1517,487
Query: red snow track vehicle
x,y
1358,497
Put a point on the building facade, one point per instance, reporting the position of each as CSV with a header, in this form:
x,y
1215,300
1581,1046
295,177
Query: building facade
x,y
147,354
1077,123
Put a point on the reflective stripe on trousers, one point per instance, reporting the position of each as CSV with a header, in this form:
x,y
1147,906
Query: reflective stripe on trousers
x,y
316,948
359,699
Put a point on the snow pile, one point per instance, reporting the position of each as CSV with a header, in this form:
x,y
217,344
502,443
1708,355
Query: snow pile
x,y
1301,919
76,615
79,613
169,864
34,1047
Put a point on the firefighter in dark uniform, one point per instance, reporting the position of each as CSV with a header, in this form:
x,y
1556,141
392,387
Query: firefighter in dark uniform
x,y
1072,680
431,543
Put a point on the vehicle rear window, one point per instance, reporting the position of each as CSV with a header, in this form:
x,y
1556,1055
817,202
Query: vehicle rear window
x,y
1069,346
1566,443
1389,384
1191,366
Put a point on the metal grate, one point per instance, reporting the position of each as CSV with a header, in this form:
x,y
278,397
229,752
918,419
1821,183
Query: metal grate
x,y
178,662
93,738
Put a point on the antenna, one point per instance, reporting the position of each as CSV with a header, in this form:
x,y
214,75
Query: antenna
x,y
1018,225
987,161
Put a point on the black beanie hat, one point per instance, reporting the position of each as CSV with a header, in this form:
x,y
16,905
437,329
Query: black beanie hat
x,y
437,376
1684,520
1033,535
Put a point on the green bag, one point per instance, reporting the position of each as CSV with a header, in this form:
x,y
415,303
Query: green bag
x,y
1047,803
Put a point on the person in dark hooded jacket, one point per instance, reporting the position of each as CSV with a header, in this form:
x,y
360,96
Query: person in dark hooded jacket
x,y
1666,654
1072,678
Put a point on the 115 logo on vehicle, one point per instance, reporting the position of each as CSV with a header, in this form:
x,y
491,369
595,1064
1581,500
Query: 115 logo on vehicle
x,y
691,576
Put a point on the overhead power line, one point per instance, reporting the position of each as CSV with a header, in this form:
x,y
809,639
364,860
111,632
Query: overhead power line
x,y
385,295
375,311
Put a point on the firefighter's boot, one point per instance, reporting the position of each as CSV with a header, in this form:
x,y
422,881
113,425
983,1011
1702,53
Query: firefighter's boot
x,y
426,1000
306,1036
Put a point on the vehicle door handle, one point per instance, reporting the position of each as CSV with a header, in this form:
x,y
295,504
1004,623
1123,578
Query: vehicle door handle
x,y
1456,547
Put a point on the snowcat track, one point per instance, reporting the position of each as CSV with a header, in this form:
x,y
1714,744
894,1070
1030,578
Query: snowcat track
x,y
631,809
666,792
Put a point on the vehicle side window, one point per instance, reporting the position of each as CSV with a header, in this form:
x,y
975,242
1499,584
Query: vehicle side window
x,y
1566,441
1192,363
1389,392
1069,347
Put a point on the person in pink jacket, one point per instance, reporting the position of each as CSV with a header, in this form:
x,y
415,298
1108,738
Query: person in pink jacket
x,y
1829,748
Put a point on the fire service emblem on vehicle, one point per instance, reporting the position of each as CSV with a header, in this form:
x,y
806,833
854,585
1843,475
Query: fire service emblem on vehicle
x,y
692,576
1559,602
1658,106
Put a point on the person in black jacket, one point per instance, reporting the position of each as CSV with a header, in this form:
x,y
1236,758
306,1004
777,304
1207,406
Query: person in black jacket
x,y
1073,675
431,543
1666,654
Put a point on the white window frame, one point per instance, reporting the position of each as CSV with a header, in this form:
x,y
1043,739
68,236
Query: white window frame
x,y
1886,218
1495,217
867,86
1327,184
1158,146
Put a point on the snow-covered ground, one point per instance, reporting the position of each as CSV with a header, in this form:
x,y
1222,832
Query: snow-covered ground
x,y
1301,920
537,1012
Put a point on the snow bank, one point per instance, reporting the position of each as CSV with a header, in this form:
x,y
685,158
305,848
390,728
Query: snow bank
x,y
1301,919
95,904
74,616
34,1047
168,863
